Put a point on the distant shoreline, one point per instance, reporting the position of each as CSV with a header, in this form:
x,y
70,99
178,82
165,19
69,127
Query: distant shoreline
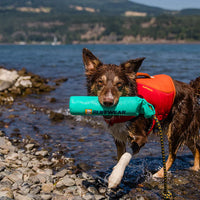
x,y
106,43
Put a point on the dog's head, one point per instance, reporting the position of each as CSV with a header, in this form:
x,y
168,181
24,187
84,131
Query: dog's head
x,y
109,81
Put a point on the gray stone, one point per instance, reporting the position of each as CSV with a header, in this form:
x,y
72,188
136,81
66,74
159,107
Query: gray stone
x,y
35,189
5,85
61,197
24,188
5,198
7,78
61,173
41,153
23,81
46,196
6,192
102,190
88,196
68,181
15,176
93,190
99,197
29,146
47,188
22,197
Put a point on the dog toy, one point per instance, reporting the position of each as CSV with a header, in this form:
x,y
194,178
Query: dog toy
x,y
126,106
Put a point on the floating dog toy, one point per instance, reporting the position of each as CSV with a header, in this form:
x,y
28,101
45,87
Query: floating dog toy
x,y
127,106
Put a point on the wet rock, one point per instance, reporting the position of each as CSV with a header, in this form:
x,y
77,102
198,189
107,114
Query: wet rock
x,y
60,80
84,166
7,78
52,100
180,181
23,81
20,83
56,116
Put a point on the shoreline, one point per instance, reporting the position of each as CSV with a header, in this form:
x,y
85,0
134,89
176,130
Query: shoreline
x,y
167,42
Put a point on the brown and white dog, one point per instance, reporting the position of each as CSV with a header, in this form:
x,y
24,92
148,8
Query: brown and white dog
x,y
109,82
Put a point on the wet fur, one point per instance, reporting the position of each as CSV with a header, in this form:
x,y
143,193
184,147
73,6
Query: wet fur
x,y
109,82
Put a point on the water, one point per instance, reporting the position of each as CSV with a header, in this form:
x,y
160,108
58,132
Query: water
x,y
86,139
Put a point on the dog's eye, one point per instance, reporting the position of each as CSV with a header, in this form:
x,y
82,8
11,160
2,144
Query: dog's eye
x,y
119,85
100,83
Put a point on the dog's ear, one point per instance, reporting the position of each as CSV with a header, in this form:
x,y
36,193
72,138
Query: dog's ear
x,y
90,61
131,67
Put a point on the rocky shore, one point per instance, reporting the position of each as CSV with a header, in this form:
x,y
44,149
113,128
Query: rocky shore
x,y
20,83
32,174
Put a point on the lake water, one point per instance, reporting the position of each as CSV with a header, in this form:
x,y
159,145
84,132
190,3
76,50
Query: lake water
x,y
87,139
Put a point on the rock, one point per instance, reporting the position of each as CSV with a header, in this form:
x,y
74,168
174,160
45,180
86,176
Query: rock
x,y
22,197
56,116
23,81
84,166
6,192
102,190
61,197
180,181
88,196
46,196
60,80
4,85
30,146
35,189
16,176
61,173
68,181
99,197
5,198
7,78
6,145
52,100
92,190
47,188
41,153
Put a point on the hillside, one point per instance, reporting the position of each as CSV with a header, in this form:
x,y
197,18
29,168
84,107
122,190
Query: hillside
x,y
94,21
108,7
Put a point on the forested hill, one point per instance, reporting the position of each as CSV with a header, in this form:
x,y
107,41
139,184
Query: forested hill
x,y
94,21
107,7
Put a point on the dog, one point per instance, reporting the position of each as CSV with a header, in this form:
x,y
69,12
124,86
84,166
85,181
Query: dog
x,y
109,82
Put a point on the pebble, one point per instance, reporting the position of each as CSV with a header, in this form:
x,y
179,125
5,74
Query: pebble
x,y
47,187
68,181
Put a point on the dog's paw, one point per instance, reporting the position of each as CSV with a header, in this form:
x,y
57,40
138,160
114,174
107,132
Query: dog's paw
x,y
194,168
115,177
118,171
159,174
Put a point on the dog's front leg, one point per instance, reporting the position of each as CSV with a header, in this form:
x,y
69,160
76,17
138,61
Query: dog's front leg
x,y
118,171
121,148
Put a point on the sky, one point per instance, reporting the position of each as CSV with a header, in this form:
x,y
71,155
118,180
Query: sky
x,y
171,4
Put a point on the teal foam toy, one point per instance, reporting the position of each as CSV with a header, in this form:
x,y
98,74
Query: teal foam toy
x,y
126,106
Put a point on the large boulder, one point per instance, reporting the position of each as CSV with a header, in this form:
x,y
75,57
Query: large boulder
x,y
7,78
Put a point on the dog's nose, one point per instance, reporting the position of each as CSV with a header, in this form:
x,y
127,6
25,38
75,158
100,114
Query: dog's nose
x,y
108,102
